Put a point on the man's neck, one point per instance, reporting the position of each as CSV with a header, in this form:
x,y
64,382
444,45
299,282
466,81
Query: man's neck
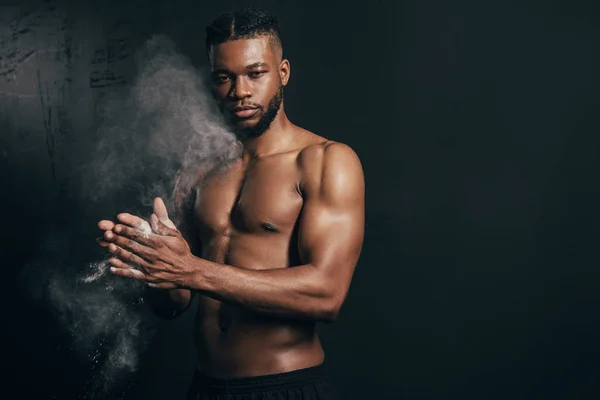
x,y
274,140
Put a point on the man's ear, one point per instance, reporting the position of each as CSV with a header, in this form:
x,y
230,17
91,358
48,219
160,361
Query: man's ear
x,y
284,72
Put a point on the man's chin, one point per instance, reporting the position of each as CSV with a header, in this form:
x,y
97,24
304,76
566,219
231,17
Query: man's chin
x,y
242,124
244,130
246,123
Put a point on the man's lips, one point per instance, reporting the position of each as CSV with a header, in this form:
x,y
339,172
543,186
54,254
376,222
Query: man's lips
x,y
244,112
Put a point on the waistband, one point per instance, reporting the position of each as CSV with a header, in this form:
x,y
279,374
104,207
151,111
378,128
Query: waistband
x,y
280,381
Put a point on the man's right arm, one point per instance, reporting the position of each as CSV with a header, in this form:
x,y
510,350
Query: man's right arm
x,y
168,303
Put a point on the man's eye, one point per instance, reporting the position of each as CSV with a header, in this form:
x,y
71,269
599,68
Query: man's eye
x,y
256,74
221,79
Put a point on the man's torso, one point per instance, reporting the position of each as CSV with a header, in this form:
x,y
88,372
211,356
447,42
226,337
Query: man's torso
x,y
246,215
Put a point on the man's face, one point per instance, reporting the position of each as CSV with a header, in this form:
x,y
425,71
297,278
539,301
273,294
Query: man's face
x,y
248,76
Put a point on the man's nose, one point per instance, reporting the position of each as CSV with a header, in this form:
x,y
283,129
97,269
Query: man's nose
x,y
240,88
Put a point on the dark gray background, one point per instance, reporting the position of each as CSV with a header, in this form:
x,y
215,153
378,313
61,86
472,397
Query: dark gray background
x,y
476,123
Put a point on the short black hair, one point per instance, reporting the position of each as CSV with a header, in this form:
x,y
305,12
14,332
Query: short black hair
x,y
247,23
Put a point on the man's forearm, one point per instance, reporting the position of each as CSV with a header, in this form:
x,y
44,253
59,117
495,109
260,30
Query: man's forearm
x,y
168,303
300,292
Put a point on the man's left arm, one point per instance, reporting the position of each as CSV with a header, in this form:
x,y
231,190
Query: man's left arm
x,y
330,237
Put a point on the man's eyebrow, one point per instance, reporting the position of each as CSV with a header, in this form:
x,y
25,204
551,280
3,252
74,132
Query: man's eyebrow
x,y
257,65
219,71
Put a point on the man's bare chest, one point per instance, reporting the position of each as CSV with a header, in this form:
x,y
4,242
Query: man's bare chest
x,y
260,198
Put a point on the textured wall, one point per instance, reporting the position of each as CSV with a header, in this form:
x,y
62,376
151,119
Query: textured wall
x,y
476,124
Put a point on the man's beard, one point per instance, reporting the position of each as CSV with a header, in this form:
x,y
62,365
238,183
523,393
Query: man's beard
x,y
251,132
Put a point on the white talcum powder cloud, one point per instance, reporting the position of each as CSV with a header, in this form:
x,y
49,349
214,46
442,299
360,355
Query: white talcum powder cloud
x,y
165,122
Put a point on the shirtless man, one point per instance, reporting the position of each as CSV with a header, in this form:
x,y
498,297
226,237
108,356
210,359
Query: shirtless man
x,y
275,235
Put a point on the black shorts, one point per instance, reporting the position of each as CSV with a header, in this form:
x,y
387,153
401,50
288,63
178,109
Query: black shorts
x,y
303,384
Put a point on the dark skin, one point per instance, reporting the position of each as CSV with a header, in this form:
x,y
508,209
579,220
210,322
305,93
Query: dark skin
x,y
277,233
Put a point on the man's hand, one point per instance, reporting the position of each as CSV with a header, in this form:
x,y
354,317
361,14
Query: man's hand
x,y
155,253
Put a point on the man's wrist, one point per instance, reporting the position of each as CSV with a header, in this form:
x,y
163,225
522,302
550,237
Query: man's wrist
x,y
197,278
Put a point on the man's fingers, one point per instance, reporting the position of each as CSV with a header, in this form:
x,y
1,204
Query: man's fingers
x,y
102,242
132,246
127,257
160,209
154,224
162,229
109,236
121,268
133,268
128,272
106,225
161,212
134,221
162,285
138,235
118,263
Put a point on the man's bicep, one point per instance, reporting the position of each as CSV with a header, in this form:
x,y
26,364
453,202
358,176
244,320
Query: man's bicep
x,y
330,238
331,228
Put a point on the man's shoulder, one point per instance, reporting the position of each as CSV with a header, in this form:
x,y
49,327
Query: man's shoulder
x,y
319,152
323,158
